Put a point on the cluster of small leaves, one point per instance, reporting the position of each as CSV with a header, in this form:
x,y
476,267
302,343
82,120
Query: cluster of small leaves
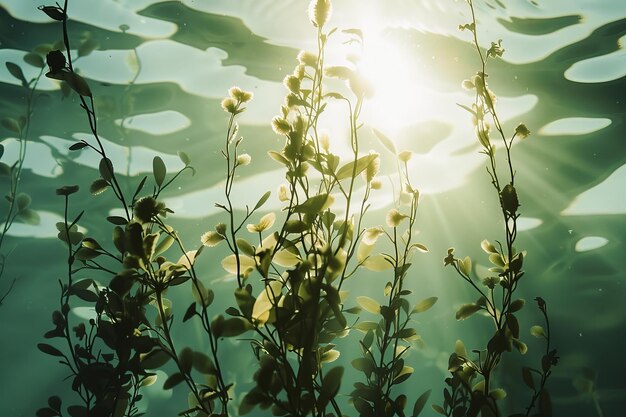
x,y
104,355
387,340
470,390
304,259
302,264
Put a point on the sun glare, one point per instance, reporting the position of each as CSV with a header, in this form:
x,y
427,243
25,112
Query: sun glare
x,y
401,92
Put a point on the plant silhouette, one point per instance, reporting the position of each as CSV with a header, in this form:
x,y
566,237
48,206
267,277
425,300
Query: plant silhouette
x,y
289,269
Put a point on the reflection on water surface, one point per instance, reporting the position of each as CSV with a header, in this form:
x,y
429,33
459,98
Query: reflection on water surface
x,y
158,85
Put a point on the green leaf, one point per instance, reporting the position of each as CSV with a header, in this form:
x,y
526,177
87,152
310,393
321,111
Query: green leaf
x,y
85,254
245,247
262,200
191,311
16,71
466,108
465,266
438,409
106,169
34,59
46,412
341,72
78,145
420,403
5,169
347,170
55,402
77,83
201,295
314,204
545,404
368,304
527,376
425,304
537,331
459,349
58,14
386,142
404,374
185,159
334,300
149,245
278,157
405,333
98,186
11,124
497,394
420,247
295,226
365,326
185,359
466,310
121,404
517,305
83,284
235,326
203,364
330,386
117,220
520,346
173,380
29,216
23,200
50,350
155,359
159,170
334,95
488,247
365,365
496,259
164,245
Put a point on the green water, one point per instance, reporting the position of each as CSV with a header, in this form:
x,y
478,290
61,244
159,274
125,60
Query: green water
x,y
563,75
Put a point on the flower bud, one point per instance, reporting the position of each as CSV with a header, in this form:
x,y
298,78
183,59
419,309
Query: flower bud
x,y
238,94
307,58
319,12
147,208
220,228
394,218
508,199
281,126
522,131
283,193
292,83
229,105
244,159
405,156
376,184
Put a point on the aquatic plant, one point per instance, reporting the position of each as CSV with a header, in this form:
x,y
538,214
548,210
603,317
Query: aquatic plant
x,y
289,270
19,202
471,388
388,340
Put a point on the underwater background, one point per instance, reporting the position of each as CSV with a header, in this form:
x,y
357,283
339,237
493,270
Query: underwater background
x,y
158,71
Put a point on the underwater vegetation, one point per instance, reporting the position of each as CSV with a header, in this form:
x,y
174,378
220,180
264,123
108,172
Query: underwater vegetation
x,y
324,311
